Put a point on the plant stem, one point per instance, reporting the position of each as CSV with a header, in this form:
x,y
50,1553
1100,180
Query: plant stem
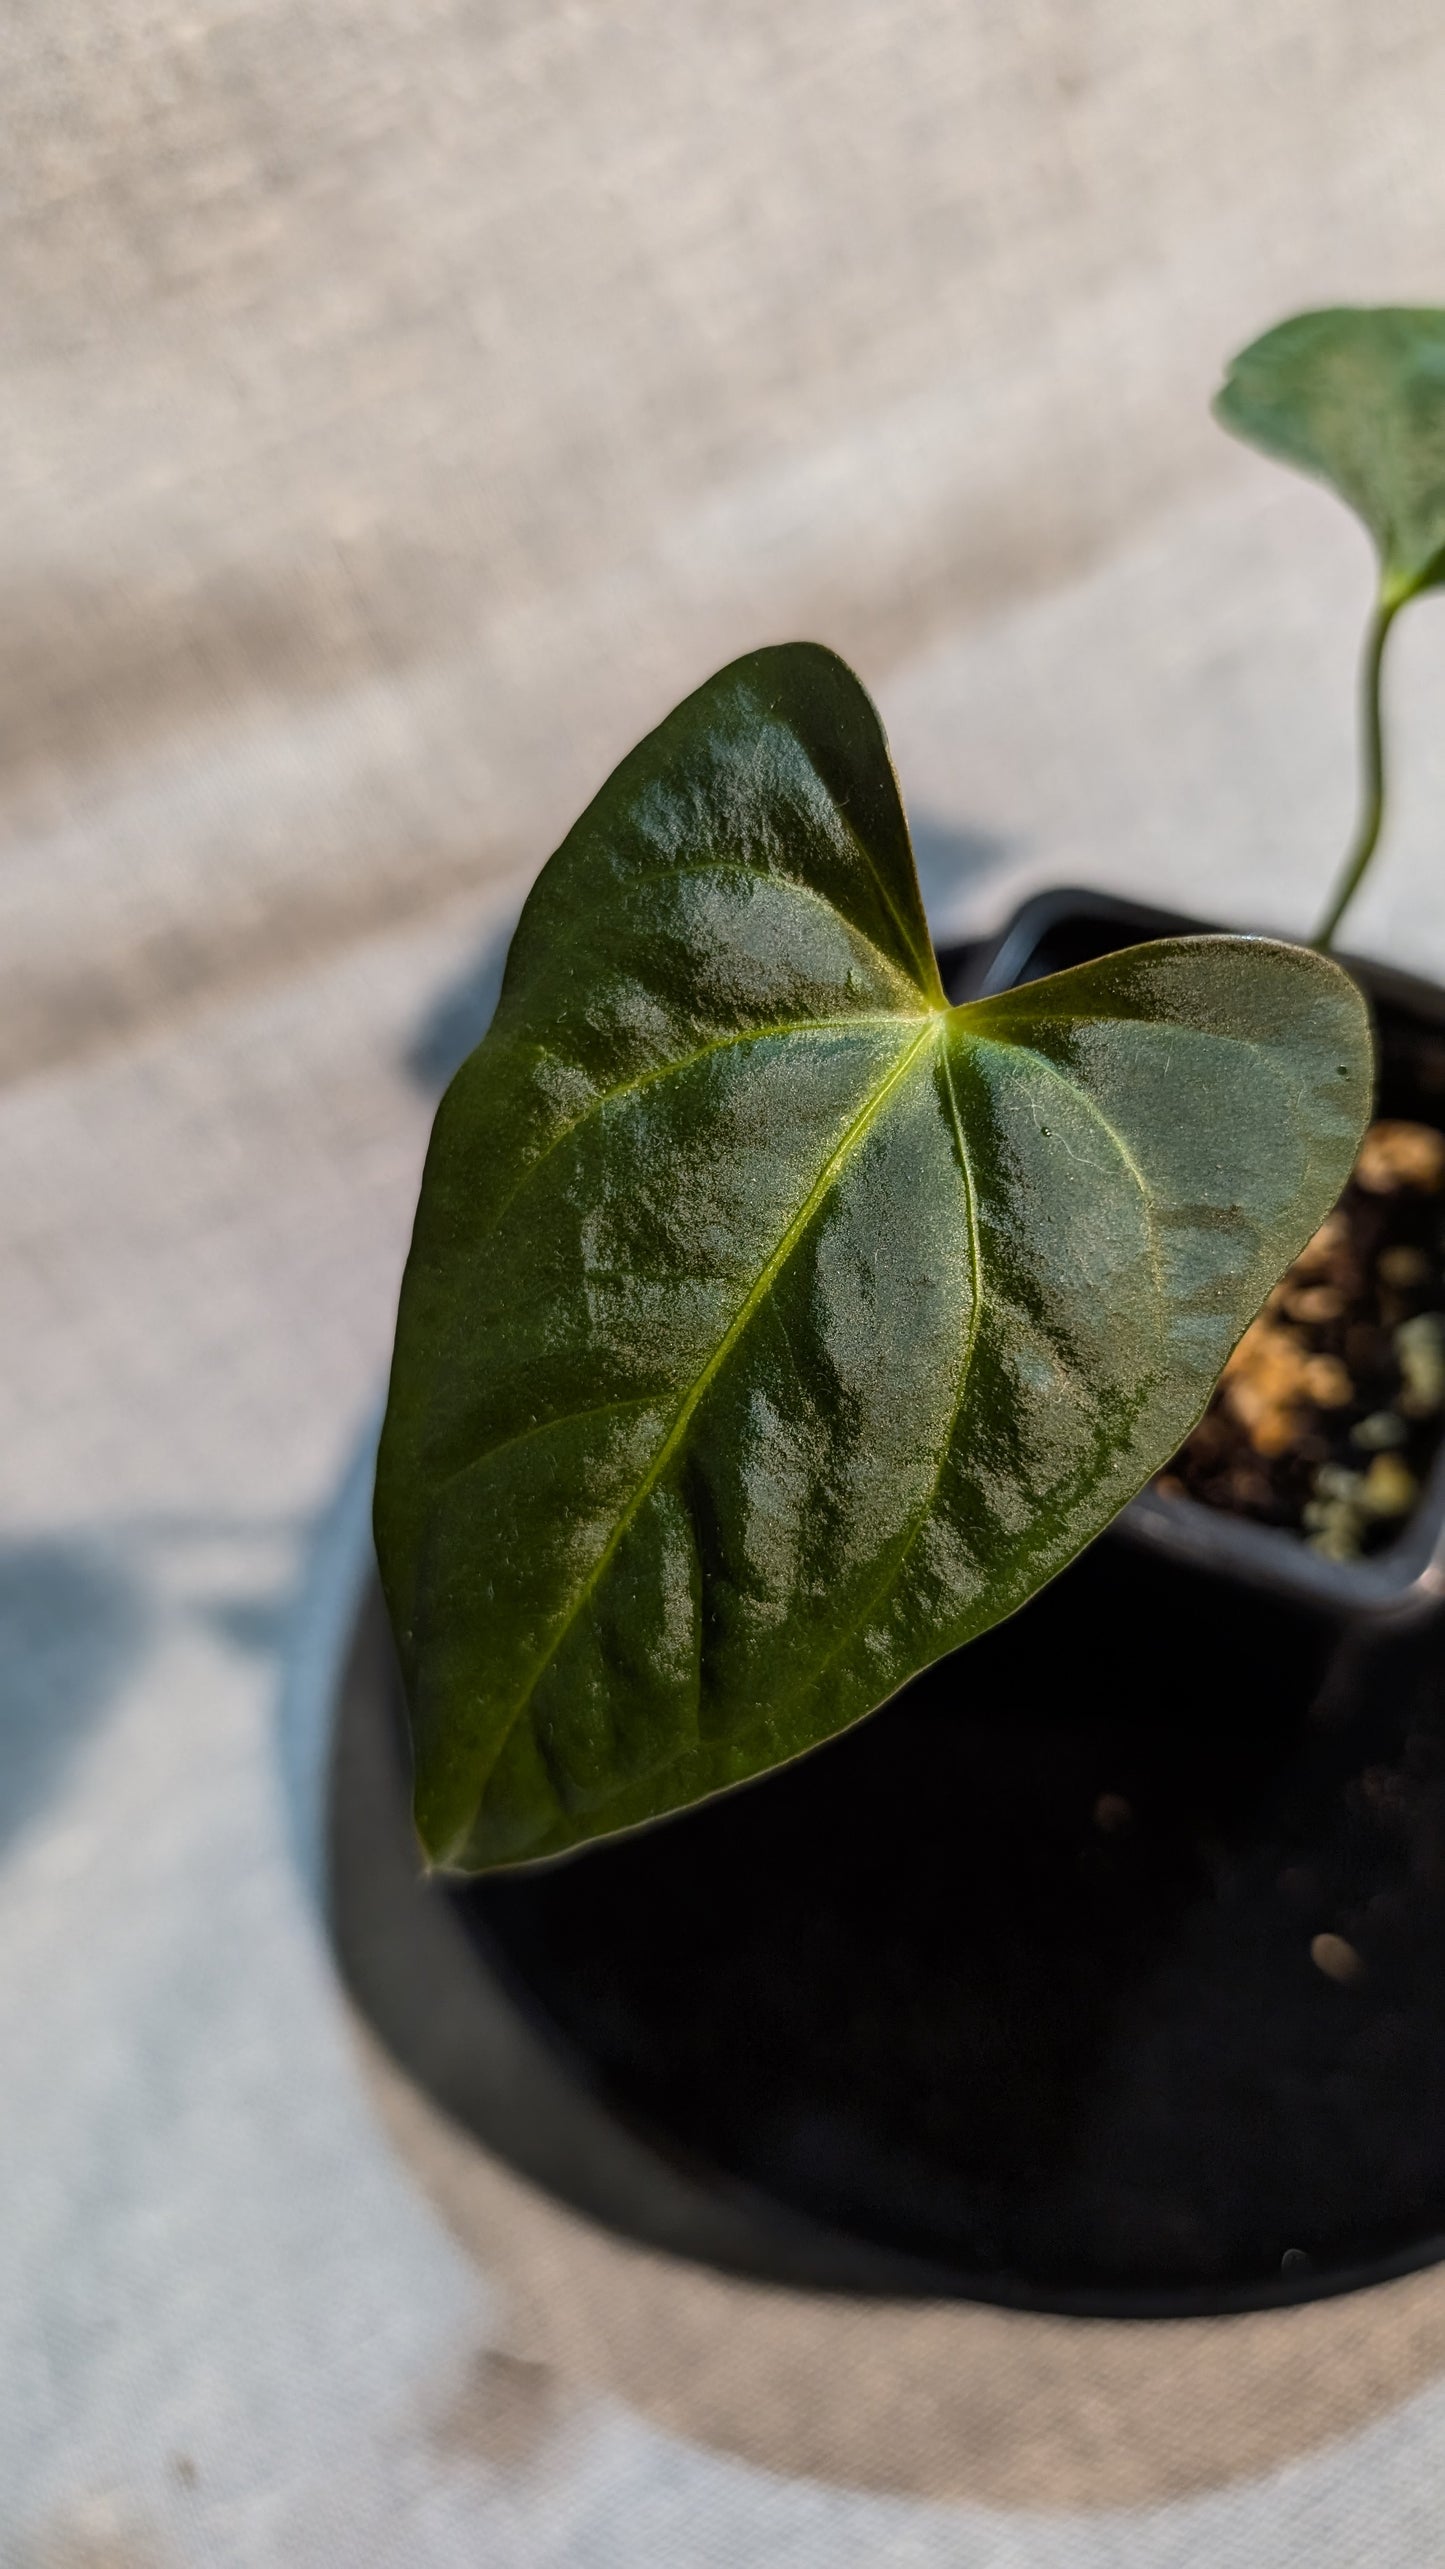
x,y
1372,781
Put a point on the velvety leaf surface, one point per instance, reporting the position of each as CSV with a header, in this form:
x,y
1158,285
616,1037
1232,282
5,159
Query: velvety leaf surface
x,y
771,1326
1358,399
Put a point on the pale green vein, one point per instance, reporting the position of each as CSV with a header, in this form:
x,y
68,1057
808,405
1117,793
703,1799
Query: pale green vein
x,y
917,942
914,932
660,1071
894,1570
818,1193
859,1622
540,1427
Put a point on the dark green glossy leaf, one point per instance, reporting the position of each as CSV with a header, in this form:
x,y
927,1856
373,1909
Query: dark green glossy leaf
x,y
1358,399
771,1327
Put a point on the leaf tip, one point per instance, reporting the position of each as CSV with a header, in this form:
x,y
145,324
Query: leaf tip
x,y
440,1834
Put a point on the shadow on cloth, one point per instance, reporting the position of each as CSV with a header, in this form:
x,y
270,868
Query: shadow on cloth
x,y
941,2400
935,2401
72,1622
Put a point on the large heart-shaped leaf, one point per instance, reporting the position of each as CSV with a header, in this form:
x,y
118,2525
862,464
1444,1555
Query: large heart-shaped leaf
x,y
1358,399
771,1326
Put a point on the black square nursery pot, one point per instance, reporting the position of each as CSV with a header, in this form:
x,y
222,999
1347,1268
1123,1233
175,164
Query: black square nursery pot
x,y
1102,1970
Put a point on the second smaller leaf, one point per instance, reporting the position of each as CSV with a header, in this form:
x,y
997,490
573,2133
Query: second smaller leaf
x,y
1357,398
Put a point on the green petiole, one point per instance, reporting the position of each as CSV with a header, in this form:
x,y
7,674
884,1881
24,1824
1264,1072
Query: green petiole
x,y
1372,771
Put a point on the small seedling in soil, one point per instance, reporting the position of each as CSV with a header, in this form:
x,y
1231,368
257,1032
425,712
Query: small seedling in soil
x,y
1332,1408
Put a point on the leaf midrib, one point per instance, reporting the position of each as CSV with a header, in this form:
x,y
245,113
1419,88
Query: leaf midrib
x,y
857,1131
859,1621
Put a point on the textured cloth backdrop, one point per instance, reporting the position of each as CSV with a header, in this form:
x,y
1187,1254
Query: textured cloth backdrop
x,y
405,402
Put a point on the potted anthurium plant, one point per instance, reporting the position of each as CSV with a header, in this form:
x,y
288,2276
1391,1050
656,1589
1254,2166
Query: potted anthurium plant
x,y
789,1308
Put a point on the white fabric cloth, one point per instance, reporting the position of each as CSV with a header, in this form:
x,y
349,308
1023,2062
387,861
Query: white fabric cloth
x,y
405,404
